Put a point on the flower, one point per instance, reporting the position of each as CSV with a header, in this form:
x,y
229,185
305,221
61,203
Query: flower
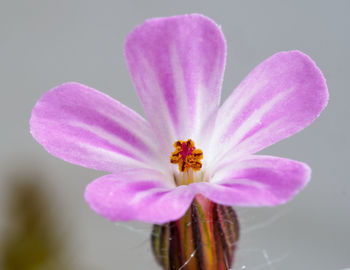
x,y
177,65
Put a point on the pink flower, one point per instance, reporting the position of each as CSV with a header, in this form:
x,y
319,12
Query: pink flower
x,y
177,67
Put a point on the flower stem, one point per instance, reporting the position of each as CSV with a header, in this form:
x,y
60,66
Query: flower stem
x,y
204,238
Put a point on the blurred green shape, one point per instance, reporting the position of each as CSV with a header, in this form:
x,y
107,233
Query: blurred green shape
x,y
31,242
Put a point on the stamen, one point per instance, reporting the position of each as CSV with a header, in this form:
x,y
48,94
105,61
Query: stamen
x,y
186,156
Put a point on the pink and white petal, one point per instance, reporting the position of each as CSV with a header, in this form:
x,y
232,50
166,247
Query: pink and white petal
x,y
144,195
256,181
280,97
177,65
86,127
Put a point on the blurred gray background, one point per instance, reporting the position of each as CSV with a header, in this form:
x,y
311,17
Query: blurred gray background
x,y
44,43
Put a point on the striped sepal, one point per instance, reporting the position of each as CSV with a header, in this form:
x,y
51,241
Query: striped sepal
x,y
204,238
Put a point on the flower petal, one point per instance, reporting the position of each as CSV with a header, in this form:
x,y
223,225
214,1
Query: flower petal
x,y
86,127
177,66
256,181
144,195
280,97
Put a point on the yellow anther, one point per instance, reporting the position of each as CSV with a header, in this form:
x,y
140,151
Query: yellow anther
x,y
186,156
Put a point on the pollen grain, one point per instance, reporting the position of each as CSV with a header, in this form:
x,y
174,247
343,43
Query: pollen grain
x,y
186,156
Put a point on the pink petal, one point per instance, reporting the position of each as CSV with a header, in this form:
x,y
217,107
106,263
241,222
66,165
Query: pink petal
x,y
280,97
144,195
256,181
86,127
177,66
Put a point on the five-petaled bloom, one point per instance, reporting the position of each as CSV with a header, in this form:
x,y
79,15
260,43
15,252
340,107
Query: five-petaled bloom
x,y
177,67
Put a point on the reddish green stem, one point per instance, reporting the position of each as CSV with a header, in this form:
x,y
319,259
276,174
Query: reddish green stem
x,y
204,238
